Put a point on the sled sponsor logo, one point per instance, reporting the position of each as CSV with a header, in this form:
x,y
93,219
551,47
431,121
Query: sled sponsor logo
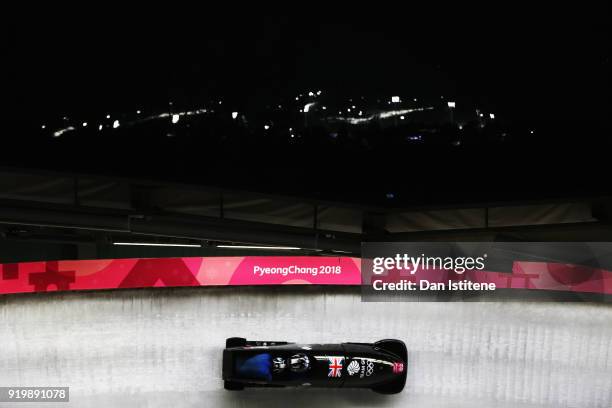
x,y
335,366
365,368
369,368
398,368
353,367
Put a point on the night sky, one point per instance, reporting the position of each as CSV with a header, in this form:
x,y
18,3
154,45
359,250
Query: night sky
x,y
527,63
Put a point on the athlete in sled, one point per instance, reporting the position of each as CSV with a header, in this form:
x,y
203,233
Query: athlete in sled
x,y
380,366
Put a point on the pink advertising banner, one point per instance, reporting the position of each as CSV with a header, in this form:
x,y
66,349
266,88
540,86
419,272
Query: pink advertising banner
x,y
271,270
172,272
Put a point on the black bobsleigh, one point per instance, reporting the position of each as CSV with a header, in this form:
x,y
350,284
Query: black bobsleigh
x,y
380,366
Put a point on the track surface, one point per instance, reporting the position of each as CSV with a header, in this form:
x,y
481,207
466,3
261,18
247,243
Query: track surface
x,y
162,347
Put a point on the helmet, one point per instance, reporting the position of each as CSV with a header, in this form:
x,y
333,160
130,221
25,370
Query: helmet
x,y
299,363
278,364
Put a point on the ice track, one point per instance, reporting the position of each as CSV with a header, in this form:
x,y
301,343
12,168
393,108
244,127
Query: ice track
x,y
162,347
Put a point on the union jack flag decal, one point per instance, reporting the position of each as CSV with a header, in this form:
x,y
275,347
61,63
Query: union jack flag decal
x,y
335,366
